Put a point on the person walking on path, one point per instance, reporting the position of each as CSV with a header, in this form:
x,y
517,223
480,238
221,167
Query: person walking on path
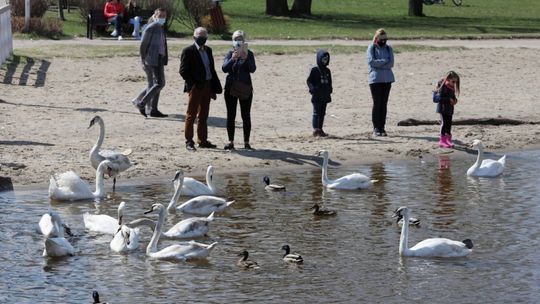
x,y
380,59
239,63
319,83
154,57
445,97
201,84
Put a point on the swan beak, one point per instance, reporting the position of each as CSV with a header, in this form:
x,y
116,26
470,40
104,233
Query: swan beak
x,y
149,211
68,231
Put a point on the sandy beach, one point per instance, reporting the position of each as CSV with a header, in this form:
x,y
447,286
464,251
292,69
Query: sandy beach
x,y
44,128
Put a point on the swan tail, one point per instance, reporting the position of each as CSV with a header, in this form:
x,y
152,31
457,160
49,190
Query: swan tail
x,y
126,152
230,203
52,186
211,216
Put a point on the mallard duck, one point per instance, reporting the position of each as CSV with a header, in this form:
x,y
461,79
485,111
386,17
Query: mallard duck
x,y
322,212
291,257
272,187
244,262
399,219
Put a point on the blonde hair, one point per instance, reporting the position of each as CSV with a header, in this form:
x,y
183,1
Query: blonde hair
x,y
447,76
155,16
378,33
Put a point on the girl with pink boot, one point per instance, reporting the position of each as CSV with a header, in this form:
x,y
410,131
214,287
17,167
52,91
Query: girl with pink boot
x,y
445,97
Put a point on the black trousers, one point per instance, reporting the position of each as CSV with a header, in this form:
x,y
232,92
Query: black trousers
x,y
446,124
380,93
319,111
245,111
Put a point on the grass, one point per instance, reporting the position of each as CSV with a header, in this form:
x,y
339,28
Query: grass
x,y
100,51
357,19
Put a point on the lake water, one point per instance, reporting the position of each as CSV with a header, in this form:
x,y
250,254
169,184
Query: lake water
x,y
350,258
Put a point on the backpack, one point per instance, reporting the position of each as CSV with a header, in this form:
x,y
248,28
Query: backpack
x,y
436,96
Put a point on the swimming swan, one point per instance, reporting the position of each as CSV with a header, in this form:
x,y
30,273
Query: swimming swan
x,y
57,246
68,186
352,181
119,160
485,167
434,247
193,187
103,223
47,227
272,187
190,228
200,205
126,238
291,257
192,250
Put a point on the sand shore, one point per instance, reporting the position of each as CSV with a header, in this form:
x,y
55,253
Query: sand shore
x,y
43,128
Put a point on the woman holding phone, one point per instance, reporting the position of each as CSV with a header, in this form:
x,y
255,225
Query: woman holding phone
x,y
239,63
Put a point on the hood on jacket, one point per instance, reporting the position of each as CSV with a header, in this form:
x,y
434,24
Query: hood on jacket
x,y
320,55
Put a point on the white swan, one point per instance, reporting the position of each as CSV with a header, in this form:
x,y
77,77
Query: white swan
x,y
485,167
47,227
190,228
126,239
68,186
399,219
291,257
201,205
57,246
119,160
103,223
352,181
192,250
435,247
193,187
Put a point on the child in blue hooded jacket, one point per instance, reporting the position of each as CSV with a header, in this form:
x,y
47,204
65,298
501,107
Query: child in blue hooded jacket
x,y
319,83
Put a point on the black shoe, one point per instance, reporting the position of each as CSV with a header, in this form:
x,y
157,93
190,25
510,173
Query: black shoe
x,y
383,133
229,146
247,146
207,145
190,145
376,132
158,114
142,111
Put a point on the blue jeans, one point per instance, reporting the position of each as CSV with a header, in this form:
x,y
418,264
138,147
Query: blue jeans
x,y
116,21
319,110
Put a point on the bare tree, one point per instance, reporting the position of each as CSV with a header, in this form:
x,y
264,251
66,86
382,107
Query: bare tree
x,y
301,7
415,8
277,7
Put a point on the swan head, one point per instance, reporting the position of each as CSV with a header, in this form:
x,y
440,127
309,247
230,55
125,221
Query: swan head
x,y
477,143
286,248
322,153
244,254
95,120
178,178
400,212
210,172
126,233
266,180
121,212
158,207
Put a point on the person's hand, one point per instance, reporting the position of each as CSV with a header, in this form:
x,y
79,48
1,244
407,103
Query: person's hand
x,y
214,96
234,55
453,101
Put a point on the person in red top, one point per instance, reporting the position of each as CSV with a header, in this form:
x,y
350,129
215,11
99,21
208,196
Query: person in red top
x,y
114,12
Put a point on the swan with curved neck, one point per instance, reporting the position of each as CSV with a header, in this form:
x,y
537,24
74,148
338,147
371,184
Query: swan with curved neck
x,y
192,250
57,246
433,247
119,160
485,167
68,186
127,238
193,187
103,223
47,227
352,181
201,205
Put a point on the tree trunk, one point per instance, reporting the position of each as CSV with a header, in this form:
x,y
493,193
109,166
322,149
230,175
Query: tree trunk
x,y
61,10
301,7
415,8
277,7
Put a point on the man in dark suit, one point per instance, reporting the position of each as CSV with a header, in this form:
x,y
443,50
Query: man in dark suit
x,y
154,57
202,84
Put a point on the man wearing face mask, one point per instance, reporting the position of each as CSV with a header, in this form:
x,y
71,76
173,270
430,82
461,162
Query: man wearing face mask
x,y
201,84
154,57
380,59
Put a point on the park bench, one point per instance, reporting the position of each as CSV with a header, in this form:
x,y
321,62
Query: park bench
x,y
96,20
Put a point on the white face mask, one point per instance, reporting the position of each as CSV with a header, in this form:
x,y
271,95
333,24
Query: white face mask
x,y
237,43
162,20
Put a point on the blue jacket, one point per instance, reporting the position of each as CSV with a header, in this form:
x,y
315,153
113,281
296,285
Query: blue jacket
x,y
239,69
442,97
319,80
380,63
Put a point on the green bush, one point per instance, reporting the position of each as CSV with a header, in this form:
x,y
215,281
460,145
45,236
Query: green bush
x,y
47,27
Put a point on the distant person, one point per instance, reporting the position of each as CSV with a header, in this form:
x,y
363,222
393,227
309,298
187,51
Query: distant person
x,y
132,16
239,63
319,83
201,84
445,96
114,12
380,59
154,57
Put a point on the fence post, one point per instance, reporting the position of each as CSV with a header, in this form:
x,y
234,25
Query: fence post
x,y
6,36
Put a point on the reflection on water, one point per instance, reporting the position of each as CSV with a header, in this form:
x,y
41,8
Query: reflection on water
x,y
351,257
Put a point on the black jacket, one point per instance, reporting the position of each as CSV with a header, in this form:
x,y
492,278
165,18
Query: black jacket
x,y
442,97
193,71
319,80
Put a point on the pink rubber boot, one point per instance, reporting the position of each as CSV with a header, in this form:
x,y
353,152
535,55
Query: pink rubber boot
x,y
449,141
442,141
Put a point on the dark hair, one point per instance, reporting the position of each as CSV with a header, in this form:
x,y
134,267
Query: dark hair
x,y
450,75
